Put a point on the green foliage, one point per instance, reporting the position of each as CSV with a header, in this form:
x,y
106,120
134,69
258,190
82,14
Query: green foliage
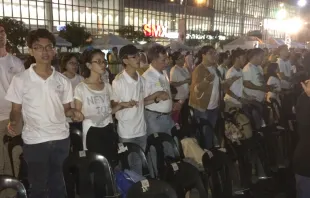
x,y
16,32
75,34
128,32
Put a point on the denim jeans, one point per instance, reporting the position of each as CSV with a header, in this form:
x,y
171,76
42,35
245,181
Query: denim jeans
x,y
135,162
302,186
211,116
45,168
157,123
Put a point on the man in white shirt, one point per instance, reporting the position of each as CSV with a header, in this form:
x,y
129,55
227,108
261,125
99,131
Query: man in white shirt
x,y
254,83
235,96
9,66
158,118
285,67
129,86
43,96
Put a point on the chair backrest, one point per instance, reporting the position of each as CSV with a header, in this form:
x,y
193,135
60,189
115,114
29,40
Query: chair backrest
x,y
133,148
177,139
92,163
151,189
12,182
157,140
76,137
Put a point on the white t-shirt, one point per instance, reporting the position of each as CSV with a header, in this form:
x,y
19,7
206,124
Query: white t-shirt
x,y
131,122
236,87
42,105
156,81
9,66
286,68
178,74
223,71
96,106
255,75
76,80
277,83
215,95
105,77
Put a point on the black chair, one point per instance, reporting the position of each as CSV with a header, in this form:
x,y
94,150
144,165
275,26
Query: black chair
x,y
12,182
12,142
177,139
183,178
154,189
134,148
95,176
76,137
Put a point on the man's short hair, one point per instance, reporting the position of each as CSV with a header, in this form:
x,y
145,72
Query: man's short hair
x,y
154,52
127,50
35,35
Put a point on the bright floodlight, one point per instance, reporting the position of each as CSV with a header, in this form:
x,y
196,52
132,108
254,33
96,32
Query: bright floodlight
x,y
281,14
302,3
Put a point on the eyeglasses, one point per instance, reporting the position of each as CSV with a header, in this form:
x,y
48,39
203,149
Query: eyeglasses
x,y
40,48
99,62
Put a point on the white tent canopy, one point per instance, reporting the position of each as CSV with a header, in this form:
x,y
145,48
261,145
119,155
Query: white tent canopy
x,y
109,41
61,42
176,45
244,42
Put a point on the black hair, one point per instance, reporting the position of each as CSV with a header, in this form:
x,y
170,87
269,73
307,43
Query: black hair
x,y
175,56
236,54
114,48
154,52
222,57
254,52
65,59
87,57
202,51
272,70
29,61
35,35
127,50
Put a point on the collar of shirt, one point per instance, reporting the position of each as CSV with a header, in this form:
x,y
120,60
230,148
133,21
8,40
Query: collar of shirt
x,y
34,76
156,72
129,79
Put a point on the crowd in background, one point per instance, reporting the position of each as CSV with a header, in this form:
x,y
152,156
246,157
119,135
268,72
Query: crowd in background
x,y
128,95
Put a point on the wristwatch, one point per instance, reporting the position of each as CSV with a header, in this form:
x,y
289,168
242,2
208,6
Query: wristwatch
x,y
156,101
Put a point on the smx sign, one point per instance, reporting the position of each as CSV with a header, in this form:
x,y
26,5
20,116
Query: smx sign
x,y
155,30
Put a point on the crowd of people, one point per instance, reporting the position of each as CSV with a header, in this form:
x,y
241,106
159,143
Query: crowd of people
x,y
135,94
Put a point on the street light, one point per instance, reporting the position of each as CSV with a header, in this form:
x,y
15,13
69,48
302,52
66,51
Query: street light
x,y
302,3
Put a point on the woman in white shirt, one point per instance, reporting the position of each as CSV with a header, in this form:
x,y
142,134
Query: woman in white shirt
x,y
180,76
69,67
93,98
273,79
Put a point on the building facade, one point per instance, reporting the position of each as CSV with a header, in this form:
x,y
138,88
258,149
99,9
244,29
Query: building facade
x,y
230,17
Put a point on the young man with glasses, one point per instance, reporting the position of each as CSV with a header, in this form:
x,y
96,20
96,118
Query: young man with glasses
x,y
9,66
129,86
42,96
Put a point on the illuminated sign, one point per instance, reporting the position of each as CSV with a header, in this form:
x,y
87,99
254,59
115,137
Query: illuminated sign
x,y
154,30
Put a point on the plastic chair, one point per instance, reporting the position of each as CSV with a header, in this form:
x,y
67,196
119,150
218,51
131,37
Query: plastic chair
x,y
91,168
154,189
12,142
185,176
76,137
134,148
12,182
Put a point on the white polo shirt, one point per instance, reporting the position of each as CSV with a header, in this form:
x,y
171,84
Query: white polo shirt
x,y
9,66
156,81
42,105
236,87
76,80
178,74
286,68
255,75
131,121
96,106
